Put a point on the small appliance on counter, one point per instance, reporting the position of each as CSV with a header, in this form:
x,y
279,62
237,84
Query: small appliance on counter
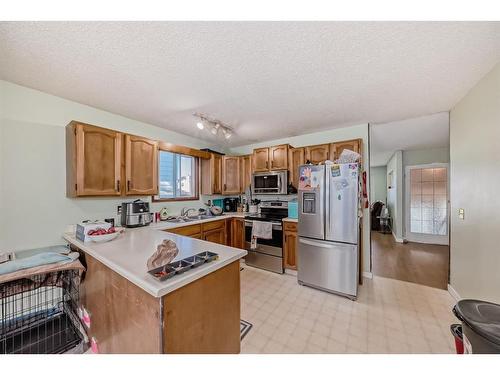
x,y
83,229
231,204
135,214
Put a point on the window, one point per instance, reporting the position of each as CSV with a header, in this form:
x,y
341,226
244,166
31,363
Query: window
x,y
428,205
177,177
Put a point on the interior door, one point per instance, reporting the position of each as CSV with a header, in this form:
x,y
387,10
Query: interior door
x,y
342,201
427,215
312,201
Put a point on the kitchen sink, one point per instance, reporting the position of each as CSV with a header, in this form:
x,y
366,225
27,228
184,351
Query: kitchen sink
x,y
188,219
199,217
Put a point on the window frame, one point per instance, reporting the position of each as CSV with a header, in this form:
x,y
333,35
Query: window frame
x,y
196,177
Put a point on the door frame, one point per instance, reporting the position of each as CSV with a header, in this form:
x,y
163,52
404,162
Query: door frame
x,y
421,237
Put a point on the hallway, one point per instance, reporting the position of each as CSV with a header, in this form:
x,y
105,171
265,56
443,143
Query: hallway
x,y
419,263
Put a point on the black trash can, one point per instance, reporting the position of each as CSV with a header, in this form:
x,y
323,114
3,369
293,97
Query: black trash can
x,y
480,326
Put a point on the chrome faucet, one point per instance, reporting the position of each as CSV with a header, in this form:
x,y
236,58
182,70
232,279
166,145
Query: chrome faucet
x,y
185,211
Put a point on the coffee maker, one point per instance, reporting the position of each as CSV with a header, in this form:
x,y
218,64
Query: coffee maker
x,y
231,204
135,214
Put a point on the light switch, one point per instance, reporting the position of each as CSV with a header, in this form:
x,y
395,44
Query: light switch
x,y
461,213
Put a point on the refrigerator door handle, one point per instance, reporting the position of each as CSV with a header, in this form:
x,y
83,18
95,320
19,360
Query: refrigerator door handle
x,y
314,243
326,204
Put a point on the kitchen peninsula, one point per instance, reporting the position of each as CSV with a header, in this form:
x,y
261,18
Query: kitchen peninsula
x,y
132,312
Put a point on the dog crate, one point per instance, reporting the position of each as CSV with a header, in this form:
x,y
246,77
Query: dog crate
x,y
38,314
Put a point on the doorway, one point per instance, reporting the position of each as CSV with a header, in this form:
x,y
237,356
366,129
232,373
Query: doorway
x,y
409,200
426,191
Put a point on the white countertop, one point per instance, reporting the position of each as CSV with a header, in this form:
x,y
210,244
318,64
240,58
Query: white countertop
x,y
291,220
128,254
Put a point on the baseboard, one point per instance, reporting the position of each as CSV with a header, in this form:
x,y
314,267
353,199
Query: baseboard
x,y
453,293
368,275
400,240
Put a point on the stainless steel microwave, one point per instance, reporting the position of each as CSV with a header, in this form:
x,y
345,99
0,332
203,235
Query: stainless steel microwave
x,y
270,182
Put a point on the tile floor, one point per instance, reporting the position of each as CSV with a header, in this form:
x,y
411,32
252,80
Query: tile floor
x,y
390,316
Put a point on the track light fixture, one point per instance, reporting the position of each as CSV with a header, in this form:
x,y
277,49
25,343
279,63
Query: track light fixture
x,y
213,126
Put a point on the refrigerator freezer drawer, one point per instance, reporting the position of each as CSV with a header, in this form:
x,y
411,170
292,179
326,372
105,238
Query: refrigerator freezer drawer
x,y
327,265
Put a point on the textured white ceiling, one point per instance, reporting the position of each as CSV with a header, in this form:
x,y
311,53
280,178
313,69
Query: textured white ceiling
x,y
413,134
266,79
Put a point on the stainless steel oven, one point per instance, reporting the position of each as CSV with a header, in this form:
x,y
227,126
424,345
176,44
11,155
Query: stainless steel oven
x,y
269,253
270,182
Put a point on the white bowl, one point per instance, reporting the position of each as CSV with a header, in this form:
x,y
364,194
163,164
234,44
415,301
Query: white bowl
x,y
104,237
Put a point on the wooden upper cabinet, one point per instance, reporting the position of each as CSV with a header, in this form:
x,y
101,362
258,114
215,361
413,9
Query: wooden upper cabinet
x,y
278,157
295,159
141,166
245,172
337,147
318,153
93,161
211,175
261,159
230,175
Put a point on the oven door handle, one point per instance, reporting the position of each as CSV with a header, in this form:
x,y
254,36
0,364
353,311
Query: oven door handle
x,y
279,227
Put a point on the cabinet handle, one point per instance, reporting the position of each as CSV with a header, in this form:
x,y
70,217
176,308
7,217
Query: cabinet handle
x,y
118,185
128,185
224,187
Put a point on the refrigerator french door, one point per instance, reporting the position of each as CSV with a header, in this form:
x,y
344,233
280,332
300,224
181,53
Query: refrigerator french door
x,y
328,252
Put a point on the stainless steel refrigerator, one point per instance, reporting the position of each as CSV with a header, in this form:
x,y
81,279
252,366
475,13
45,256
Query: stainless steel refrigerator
x,y
328,252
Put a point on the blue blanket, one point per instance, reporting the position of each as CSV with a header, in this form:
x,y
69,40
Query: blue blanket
x,y
33,261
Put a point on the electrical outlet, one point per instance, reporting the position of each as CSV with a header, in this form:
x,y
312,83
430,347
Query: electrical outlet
x,y
119,210
461,213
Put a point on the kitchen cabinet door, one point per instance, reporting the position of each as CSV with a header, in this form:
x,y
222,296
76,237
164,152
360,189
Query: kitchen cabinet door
x,y
261,159
245,172
211,175
337,148
318,153
278,156
295,159
141,166
230,175
93,161
290,246
238,233
216,236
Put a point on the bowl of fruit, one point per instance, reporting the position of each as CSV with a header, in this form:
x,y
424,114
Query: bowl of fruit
x,y
103,235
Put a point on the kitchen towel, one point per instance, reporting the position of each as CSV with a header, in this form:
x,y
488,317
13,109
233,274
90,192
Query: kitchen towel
x,y
262,229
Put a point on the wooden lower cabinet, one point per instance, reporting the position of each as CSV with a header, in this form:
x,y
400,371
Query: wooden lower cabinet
x,y
125,319
238,233
213,231
204,316
290,245
216,236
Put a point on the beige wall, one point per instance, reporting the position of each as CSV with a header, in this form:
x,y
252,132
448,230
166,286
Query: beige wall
x,y
395,194
33,166
475,184
333,135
